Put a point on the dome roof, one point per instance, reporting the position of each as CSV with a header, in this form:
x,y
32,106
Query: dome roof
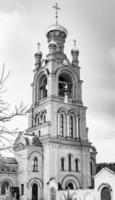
x,y
57,27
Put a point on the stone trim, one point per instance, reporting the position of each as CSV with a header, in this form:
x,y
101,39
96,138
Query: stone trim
x,y
33,153
8,180
34,180
70,178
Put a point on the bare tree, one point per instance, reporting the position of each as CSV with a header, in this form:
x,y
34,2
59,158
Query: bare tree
x,y
7,115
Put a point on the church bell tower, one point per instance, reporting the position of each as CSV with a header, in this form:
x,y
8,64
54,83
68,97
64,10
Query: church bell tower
x,y
58,116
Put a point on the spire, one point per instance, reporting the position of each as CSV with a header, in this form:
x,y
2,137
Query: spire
x,y
56,8
57,26
56,35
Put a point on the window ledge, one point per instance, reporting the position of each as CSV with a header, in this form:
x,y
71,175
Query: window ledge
x,y
35,171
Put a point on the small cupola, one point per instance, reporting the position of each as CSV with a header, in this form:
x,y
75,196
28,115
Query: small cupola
x,y
38,57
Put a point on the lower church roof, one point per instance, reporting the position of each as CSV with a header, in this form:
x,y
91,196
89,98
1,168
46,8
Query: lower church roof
x,y
110,166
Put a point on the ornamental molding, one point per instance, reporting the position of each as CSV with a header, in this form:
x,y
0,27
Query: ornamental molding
x,y
104,185
38,181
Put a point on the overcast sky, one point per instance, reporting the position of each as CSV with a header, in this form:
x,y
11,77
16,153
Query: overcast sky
x,y
23,23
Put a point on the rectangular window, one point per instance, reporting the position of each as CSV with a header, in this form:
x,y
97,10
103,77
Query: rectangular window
x,y
69,160
22,189
39,133
62,164
76,165
91,168
62,125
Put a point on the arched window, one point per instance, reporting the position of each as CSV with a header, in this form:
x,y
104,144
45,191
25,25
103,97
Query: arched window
x,y
52,194
35,164
43,116
4,187
106,193
42,87
69,161
77,127
76,165
62,164
71,126
65,85
62,124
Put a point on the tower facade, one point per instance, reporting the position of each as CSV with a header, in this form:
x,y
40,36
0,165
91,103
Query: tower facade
x,y
57,117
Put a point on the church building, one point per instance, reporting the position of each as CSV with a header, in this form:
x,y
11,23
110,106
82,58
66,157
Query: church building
x,y
54,157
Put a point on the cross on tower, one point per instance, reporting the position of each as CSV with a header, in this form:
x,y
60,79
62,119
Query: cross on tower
x,y
57,8
75,42
38,44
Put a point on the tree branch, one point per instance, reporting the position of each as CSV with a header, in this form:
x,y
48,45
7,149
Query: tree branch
x,y
6,115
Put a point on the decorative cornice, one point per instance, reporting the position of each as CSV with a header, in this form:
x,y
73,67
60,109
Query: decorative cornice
x,y
64,142
34,128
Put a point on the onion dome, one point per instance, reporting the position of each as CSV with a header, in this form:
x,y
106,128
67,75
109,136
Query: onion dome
x,y
58,33
57,27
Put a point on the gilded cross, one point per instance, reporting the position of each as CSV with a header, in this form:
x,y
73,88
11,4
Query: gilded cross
x,y
57,8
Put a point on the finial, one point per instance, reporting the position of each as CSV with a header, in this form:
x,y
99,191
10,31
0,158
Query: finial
x,y
38,44
75,54
38,56
57,8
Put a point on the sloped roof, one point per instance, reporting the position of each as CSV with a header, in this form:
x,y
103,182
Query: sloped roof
x,y
8,160
110,166
103,170
23,140
36,141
